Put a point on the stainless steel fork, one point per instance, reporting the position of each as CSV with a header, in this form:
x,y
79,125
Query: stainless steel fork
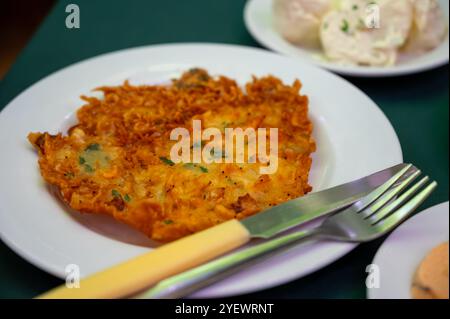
x,y
371,217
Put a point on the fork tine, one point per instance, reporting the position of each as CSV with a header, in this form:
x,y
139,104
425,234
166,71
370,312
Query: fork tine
x,y
373,196
403,212
389,195
388,209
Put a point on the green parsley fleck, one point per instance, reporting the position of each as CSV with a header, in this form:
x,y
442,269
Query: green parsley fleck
x,y
166,161
93,147
192,166
115,193
127,198
81,160
355,7
88,168
168,221
345,26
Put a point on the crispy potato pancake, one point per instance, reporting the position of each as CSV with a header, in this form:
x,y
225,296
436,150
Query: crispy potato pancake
x,y
116,161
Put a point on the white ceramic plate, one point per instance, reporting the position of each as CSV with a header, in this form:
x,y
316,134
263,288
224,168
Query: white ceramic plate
x,y
258,19
402,252
354,139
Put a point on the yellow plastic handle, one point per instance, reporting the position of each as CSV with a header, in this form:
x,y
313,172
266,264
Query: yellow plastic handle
x,y
144,271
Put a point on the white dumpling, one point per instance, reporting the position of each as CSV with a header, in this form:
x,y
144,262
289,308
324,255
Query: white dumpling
x,y
396,19
347,39
429,27
344,44
298,21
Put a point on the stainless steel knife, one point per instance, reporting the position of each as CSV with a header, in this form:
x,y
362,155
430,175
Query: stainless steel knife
x,y
144,271
190,281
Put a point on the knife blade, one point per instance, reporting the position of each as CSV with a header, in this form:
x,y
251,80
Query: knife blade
x,y
315,205
192,280
148,269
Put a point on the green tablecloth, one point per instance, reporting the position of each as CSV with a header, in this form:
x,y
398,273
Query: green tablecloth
x,y
417,106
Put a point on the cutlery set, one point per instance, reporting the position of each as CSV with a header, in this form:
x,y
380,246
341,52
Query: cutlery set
x,y
357,211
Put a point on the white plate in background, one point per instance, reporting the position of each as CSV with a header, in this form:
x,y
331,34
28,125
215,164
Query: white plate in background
x,y
401,253
258,20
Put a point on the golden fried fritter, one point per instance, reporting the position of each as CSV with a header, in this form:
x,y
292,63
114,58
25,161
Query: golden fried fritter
x,y
116,161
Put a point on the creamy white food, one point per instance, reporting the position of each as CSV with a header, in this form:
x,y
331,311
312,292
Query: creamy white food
x,y
352,35
362,32
298,21
429,27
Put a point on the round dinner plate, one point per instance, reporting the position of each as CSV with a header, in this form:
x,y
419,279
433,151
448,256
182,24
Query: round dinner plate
x,y
354,139
258,20
401,253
